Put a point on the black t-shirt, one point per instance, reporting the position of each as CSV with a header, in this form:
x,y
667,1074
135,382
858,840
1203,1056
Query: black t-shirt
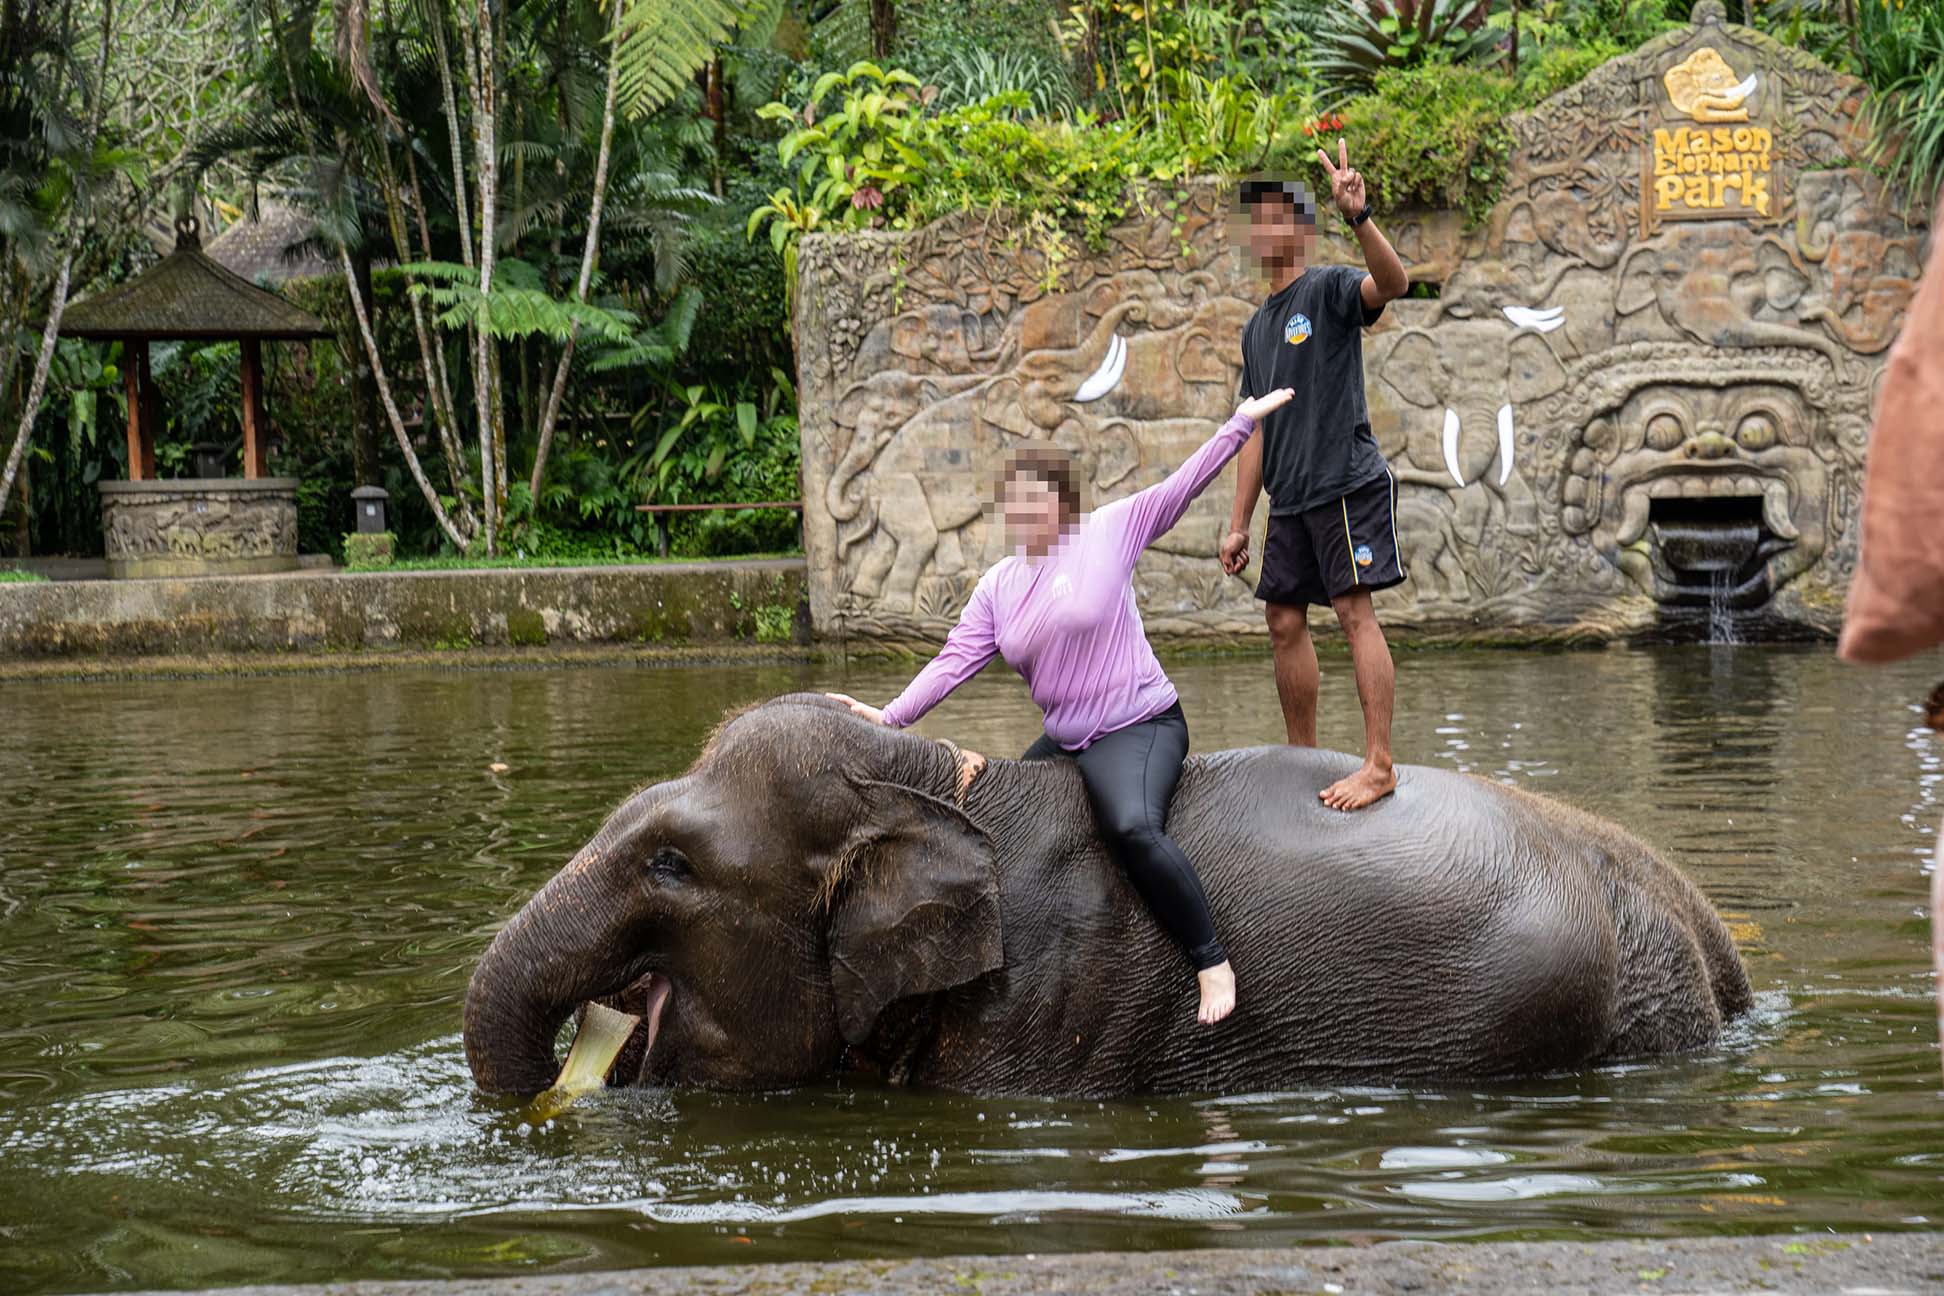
x,y
1309,336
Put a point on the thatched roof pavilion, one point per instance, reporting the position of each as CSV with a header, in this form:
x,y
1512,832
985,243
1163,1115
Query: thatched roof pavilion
x,y
188,297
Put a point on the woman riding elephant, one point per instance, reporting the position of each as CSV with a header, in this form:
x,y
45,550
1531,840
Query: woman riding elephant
x,y
818,895
1061,611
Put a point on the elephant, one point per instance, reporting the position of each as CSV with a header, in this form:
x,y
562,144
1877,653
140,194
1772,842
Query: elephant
x,y
819,896
1705,285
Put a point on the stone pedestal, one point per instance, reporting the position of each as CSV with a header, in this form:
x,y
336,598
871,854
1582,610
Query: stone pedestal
x,y
200,526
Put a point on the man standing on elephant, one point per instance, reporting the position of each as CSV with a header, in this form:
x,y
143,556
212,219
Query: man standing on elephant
x,y
1332,500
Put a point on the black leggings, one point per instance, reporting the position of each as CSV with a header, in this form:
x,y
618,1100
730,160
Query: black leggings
x,y
1130,776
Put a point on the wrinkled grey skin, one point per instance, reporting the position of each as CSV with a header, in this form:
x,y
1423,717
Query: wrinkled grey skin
x,y
817,901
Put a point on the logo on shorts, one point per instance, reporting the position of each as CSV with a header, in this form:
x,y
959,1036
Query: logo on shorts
x,y
1364,557
1297,330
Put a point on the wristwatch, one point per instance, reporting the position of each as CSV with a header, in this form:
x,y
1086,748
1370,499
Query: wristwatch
x,y
1361,216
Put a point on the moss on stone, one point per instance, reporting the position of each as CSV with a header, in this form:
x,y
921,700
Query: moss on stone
x,y
368,552
526,628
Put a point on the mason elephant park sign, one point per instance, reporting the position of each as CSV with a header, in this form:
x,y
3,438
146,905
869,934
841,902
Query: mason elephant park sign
x,y
1709,161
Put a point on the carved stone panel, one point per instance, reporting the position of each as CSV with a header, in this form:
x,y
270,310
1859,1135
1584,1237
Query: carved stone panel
x,y
199,526
1628,397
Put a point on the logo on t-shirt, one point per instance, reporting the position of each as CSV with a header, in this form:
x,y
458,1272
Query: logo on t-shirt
x,y
1297,330
1062,587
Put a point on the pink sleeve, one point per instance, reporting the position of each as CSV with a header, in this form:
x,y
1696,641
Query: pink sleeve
x,y
1153,512
967,649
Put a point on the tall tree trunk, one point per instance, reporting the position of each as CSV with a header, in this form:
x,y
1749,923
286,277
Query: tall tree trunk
x,y
462,543
24,511
590,255
482,91
364,422
13,316
452,133
438,382
717,114
57,301
884,28
29,407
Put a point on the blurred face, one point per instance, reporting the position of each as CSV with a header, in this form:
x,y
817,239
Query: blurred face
x,y
1277,238
1031,508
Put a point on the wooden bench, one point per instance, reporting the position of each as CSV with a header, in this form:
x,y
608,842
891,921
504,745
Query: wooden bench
x,y
660,513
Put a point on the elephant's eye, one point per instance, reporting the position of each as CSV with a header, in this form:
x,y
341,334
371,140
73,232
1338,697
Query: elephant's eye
x,y
668,865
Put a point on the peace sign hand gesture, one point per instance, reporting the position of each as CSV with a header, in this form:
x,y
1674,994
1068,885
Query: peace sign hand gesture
x,y
1346,183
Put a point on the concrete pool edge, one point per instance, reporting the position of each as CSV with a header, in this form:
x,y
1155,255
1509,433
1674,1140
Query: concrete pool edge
x,y
325,619
1800,1262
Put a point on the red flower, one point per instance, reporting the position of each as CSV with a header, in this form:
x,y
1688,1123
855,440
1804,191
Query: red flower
x,y
867,197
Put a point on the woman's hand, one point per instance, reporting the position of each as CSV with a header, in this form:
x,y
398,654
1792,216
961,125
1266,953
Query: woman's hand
x,y
1256,406
871,713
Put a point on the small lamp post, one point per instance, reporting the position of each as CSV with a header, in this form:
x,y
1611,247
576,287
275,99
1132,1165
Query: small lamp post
x,y
369,504
370,544
209,458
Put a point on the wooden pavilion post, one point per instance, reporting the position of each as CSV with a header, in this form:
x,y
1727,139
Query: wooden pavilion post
x,y
151,415
254,428
136,383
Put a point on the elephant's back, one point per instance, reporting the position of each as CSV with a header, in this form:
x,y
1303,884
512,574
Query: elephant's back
x,y
1450,928
1269,796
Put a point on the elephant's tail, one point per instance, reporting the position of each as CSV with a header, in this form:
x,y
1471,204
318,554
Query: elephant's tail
x,y
1681,979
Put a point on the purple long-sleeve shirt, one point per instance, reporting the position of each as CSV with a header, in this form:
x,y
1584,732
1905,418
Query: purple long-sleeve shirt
x,y
1067,622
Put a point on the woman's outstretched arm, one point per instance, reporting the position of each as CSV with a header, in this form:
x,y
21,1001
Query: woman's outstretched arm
x,y
967,649
1153,512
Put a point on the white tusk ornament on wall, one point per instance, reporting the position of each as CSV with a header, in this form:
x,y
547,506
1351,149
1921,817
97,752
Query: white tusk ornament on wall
x,y
1108,376
1505,443
1451,446
1545,320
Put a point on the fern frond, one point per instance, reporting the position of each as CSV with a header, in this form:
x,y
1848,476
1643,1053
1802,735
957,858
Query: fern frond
x,y
663,42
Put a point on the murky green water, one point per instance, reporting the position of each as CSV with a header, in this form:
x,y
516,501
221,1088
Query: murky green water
x,y
237,917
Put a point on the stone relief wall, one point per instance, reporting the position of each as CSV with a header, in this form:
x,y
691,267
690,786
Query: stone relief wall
x,y
1646,383
199,527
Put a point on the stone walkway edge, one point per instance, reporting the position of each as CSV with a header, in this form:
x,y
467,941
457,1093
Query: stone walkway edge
x,y
1855,1264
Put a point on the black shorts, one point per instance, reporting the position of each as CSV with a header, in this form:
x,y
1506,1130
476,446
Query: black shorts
x,y
1334,549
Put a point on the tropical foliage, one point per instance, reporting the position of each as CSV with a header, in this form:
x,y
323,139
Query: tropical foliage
x,y
552,227
1364,38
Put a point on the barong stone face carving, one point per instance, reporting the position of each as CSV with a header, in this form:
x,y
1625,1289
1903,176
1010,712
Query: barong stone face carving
x,y
1637,390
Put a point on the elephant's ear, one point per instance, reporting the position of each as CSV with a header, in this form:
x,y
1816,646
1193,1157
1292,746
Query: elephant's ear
x,y
915,905
1416,371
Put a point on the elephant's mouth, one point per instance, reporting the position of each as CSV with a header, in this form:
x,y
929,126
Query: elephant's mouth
x,y
647,999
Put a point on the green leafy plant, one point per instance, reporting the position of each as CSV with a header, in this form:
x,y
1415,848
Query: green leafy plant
x,y
1900,48
665,41
775,623
972,76
518,306
1364,38
1137,49
1433,136
718,444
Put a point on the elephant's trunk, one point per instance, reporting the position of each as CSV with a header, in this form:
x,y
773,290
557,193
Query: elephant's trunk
x,y
558,952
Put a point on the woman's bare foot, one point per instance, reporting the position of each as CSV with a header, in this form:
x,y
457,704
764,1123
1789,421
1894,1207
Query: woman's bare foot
x,y
1217,993
1369,784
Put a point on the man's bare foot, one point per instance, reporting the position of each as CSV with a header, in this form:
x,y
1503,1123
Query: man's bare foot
x,y
1217,993
1369,784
